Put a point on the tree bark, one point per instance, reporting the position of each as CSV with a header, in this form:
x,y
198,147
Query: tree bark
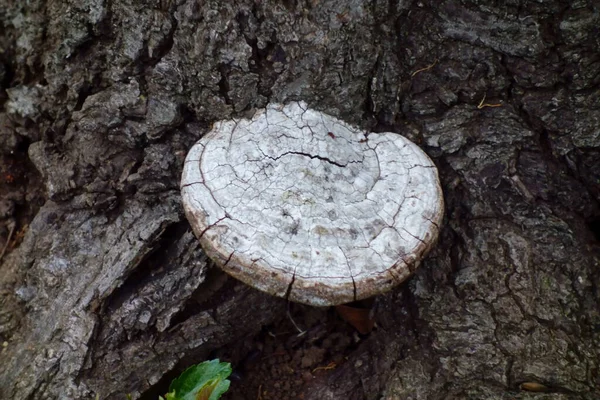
x,y
104,291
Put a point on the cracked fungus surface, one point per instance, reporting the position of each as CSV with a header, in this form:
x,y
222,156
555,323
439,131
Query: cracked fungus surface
x,y
301,205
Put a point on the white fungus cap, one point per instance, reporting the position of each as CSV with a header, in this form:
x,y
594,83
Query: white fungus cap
x,y
303,206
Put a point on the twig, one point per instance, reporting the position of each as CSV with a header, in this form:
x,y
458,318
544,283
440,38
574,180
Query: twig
x,y
259,397
482,104
424,69
329,366
10,233
289,314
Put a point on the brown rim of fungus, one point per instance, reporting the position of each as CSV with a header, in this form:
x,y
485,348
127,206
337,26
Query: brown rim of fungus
x,y
297,204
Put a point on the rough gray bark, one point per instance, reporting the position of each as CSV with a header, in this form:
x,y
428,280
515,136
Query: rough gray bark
x,y
109,291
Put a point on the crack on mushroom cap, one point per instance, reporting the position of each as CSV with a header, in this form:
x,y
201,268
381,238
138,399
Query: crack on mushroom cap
x,y
300,205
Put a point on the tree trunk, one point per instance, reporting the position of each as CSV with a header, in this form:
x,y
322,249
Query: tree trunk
x,y
104,290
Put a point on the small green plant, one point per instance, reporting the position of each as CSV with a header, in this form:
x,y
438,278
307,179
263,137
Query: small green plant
x,y
204,381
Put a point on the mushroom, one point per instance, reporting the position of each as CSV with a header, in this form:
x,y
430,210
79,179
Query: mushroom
x,y
303,206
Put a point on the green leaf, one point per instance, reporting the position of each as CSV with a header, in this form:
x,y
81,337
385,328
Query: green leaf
x,y
204,381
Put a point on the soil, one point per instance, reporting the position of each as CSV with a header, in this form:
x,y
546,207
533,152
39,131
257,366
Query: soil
x,y
279,362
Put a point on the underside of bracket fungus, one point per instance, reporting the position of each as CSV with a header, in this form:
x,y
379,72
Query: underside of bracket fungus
x,y
301,205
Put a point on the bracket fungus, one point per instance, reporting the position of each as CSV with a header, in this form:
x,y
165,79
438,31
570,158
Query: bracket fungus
x,y
303,206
